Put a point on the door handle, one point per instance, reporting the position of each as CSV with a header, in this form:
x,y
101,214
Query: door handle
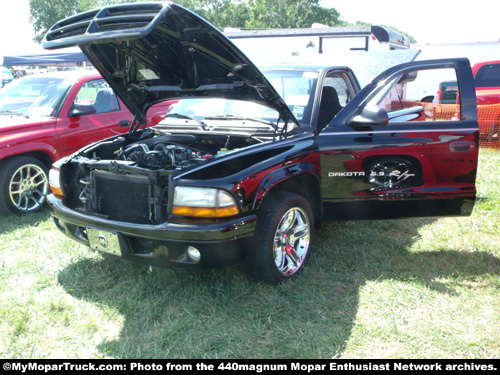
x,y
124,124
462,146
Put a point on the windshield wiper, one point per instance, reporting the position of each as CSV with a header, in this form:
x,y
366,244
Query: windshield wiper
x,y
243,118
14,113
185,117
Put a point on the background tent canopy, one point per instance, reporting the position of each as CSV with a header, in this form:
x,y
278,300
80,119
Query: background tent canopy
x,y
45,59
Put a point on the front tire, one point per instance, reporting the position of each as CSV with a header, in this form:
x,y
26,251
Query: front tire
x,y
23,185
281,244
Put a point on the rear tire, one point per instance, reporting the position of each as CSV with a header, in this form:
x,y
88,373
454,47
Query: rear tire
x,y
23,185
281,244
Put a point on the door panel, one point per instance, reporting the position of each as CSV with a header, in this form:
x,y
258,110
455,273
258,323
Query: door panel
x,y
389,145
110,118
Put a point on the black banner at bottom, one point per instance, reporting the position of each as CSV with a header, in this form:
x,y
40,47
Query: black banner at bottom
x,y
229,366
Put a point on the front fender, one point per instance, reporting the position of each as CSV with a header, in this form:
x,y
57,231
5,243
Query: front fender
x,y
251,173
288,173
12,150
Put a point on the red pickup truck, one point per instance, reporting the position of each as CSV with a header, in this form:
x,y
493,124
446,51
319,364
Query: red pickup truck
x,y
487,81
46,117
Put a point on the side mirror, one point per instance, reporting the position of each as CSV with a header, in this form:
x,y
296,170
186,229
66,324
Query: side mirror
x,y
408,77
370,115
81,110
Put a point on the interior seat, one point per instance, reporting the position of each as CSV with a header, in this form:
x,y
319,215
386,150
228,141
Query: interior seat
x,y
328,108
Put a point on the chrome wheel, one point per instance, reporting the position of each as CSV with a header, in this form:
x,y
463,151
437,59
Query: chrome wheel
x,y
291,241
282,241
28,187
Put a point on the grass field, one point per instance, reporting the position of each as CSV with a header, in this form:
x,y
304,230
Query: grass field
x,y
426,288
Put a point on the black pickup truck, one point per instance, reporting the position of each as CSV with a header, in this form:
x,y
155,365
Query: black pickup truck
x,y
249,162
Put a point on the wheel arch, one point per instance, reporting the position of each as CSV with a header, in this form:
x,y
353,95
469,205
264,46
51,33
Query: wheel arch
x,y
306,185
40,155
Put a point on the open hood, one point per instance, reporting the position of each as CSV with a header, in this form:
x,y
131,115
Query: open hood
x,y
150,52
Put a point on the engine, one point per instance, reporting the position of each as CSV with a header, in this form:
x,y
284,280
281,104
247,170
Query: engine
x,y
162,155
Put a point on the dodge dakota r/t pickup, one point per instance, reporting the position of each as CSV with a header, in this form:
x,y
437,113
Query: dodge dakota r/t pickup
x,y
249,161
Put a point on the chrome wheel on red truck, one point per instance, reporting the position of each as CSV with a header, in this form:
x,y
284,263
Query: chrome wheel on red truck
x,y
24,185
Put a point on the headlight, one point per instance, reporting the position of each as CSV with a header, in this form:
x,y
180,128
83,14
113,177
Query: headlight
x,y
203,202
54,182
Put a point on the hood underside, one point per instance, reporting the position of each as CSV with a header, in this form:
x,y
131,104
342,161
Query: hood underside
x,y
151,52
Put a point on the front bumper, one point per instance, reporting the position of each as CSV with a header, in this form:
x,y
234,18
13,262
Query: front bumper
x,y
165,245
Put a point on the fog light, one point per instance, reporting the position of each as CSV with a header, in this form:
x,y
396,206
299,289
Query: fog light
x,y
193,253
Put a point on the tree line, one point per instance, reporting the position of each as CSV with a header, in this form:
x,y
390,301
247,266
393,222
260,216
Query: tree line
x,y
243,14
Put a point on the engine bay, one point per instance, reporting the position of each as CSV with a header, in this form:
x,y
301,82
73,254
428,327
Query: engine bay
x,y
140,163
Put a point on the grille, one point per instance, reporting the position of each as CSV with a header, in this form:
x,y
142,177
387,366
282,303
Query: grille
x,y
122,197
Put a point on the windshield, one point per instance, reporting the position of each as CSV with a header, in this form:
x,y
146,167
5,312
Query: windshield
x,y
213,107
33,96
295,87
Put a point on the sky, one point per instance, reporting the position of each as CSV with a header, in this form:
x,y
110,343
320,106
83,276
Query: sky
x,y
429,22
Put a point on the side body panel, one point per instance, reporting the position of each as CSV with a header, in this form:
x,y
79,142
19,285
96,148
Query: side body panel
x,y
402,161
76,132
36,136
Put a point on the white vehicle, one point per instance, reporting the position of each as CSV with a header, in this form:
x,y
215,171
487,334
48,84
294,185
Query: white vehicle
x,y
309,44
6,77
